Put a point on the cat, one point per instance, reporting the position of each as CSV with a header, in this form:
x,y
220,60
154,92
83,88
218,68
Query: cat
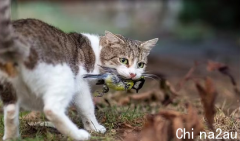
x,y
48,67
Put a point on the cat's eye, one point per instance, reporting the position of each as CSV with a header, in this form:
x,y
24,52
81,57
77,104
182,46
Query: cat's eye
x,y
141,65
124,61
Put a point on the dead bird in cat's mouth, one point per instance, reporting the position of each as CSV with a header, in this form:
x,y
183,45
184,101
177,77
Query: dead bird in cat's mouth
x,y
110,79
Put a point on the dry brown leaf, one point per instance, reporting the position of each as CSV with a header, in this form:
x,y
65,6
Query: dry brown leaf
x,y
169,114
152,95
213,66
142,96
168,90
124,101
223,69
187,77
208,96
126,129
192,121
176,119
188,121
149,96
163,126
132,137
156,128
177,123
126,126
32,116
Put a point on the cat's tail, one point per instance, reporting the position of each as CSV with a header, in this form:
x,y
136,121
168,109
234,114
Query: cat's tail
x,y
13,48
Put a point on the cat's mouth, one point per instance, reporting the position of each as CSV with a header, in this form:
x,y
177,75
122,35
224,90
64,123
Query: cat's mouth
x,y
125,78
128,78
114,71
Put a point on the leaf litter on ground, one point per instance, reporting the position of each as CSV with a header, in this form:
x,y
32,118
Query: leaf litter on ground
x,y
126,124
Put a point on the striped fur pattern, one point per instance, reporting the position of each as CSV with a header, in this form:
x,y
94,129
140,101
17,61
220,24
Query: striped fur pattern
x,y
12,46
116,46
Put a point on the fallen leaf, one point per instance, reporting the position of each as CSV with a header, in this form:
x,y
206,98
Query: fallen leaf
x,y
32,116
187,77
163,126
124,101
156,128
152,95
213,66
168,90
192,121
223,69
142,96
208,95
149,96
177,121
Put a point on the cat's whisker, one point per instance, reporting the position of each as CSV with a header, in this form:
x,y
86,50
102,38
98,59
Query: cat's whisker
x,y
151,75
151,78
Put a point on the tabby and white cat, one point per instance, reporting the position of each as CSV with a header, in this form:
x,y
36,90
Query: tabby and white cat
x,y
50,65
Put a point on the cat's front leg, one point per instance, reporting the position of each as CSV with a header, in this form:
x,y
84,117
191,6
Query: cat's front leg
x,y
54,110
11,122
84,103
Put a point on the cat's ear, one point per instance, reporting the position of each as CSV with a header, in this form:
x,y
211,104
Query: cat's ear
x,y
148,45
112,38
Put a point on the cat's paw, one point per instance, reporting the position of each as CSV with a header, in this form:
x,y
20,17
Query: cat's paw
x,y
11,137
98,128
101,129
4,138
82,135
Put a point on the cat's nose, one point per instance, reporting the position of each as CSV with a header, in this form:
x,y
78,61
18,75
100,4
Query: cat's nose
x,y
132,75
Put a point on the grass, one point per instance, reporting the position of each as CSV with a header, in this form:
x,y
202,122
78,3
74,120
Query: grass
x,y
113,118
117,120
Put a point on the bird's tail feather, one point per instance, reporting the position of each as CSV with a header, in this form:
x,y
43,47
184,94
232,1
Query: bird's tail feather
x,y
97,76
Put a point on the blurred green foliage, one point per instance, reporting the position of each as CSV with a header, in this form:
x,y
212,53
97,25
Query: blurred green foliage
x,y
55,14
221,14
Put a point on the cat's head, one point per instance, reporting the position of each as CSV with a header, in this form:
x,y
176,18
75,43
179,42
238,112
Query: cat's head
x,y
128,57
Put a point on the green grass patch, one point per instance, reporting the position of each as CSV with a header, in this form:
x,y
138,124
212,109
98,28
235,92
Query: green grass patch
x,y
113,118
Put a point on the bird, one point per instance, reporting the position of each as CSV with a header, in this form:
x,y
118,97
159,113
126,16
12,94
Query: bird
x,y
112,80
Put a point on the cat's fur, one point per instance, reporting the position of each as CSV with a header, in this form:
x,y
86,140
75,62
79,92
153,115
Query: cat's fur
x,y
49,66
